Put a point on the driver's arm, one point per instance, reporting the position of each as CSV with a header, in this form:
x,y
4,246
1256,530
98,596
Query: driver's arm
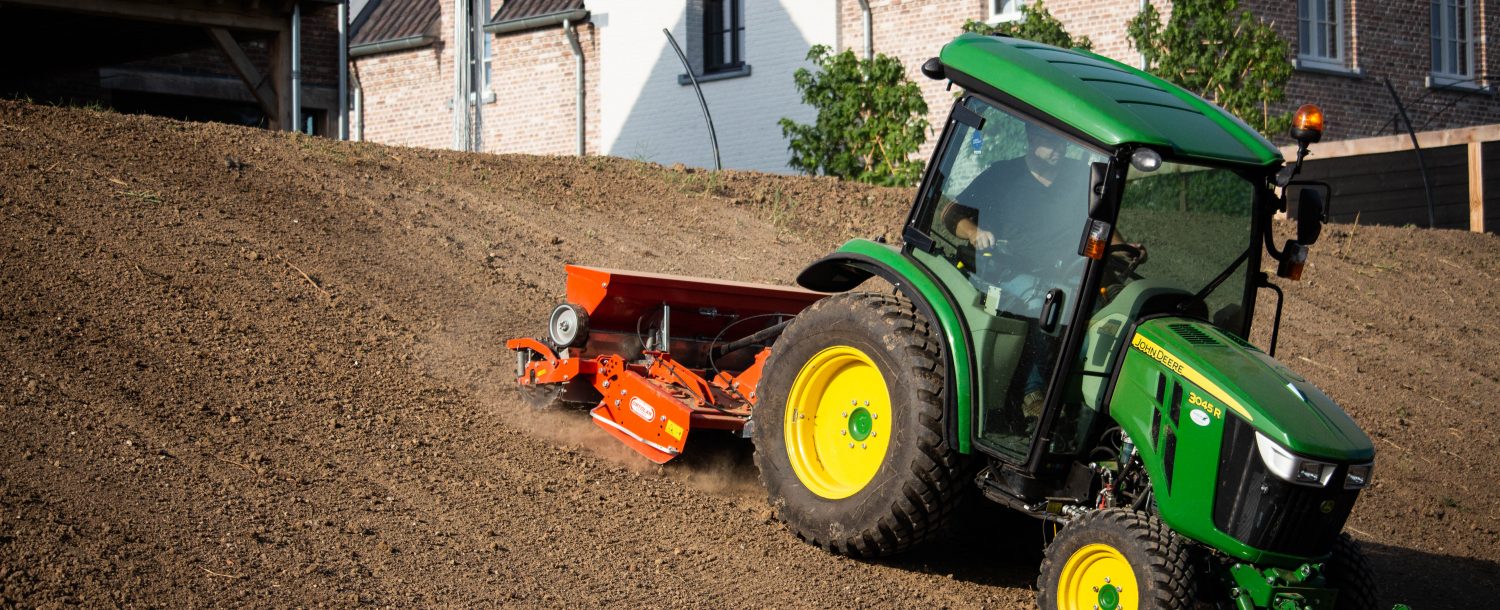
x,y
967,229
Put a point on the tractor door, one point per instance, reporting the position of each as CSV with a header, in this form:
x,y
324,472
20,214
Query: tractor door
x,y
1001,216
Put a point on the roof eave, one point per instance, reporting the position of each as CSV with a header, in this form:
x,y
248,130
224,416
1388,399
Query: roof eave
x,y
537,22
391,46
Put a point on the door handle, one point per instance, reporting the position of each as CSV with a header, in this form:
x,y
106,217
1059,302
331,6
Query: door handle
x,y
1051,310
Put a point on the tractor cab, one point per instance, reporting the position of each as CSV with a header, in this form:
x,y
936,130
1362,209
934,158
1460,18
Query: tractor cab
x,y
1057,226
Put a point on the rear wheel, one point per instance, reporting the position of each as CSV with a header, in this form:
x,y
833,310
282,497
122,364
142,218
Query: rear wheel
x,y
1350,573
849,434
1116,558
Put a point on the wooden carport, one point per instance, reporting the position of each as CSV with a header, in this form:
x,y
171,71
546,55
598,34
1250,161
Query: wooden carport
x,y
221,20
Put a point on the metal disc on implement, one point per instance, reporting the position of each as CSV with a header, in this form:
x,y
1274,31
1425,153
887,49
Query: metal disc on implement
x,y
567,326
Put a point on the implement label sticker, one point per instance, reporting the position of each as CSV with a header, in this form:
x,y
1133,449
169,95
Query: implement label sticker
x,y
1150,348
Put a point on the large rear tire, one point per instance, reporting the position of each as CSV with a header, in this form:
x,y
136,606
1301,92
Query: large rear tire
x,y
849,431
1116,558
1349,572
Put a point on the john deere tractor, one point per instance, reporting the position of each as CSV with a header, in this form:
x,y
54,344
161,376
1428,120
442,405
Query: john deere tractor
x,y
1069,333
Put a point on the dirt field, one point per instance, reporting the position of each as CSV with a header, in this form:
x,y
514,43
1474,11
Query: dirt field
x,y
248,369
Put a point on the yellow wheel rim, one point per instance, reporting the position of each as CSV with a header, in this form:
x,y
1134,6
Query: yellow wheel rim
x,y
1097,576
837,422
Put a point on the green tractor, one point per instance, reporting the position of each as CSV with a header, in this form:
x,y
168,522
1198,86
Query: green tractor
x,y
1070,332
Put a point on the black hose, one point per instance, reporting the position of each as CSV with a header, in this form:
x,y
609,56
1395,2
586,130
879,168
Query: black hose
x,y
756,337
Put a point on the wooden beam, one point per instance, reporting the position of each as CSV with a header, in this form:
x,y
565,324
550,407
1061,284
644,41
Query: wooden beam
x,y
1386,144
180,13
264,94
1476,187
281,79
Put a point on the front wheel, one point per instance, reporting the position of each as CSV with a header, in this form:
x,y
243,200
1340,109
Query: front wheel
x,y
1349,572
849,434
1116,558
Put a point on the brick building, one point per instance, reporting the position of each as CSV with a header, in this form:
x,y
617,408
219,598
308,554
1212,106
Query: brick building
x,y
1439,56
633,98
219,60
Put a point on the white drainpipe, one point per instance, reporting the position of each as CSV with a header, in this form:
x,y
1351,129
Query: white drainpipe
x,y
572,35
864,9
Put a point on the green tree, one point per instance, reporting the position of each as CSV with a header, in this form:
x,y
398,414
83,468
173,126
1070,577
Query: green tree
x,y
1220,52
871,119
1037,25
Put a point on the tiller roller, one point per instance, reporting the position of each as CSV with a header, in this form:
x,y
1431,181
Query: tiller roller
x,y
658,355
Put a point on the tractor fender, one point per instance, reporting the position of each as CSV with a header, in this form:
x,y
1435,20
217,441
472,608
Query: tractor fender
x,y
859,260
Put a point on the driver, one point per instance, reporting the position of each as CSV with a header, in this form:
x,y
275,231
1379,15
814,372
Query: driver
x,y
1036,203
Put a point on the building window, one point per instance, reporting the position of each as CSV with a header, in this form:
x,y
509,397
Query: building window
x,y
723,36
1452,42
1320,33
1005,10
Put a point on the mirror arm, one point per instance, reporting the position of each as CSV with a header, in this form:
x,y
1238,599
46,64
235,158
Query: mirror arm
x,y
1265,282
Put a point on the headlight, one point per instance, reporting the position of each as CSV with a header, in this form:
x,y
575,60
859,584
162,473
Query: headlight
x,y
1359,476
1290,467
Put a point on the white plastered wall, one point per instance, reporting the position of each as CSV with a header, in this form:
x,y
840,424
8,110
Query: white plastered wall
x,y
645,114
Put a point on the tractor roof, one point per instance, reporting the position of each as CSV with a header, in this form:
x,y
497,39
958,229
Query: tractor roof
x,y
1107,100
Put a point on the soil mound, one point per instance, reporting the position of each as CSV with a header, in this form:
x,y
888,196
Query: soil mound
x,y
249,369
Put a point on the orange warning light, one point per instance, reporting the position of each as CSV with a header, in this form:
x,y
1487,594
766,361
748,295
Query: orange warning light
x,y
1307,124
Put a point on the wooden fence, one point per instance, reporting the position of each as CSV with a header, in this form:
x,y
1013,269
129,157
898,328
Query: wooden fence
x,y
1378,180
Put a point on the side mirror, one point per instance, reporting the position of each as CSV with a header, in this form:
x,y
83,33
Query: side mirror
x,y
1310,215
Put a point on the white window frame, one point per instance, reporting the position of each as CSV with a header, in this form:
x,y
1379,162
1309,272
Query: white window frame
x,y
1444,34
1307,46
998,13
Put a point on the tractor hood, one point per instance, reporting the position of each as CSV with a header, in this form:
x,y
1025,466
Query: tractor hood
x,y
1239,380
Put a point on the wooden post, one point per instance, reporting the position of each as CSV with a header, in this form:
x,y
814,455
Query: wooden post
x,y
281,78
1476,187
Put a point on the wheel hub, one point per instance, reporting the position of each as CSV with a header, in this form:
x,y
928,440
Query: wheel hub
x,y
860,424
1109,597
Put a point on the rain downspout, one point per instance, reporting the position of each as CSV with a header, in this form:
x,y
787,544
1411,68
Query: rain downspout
x,y
461,73
572,35
358,112
297,66
1145,66
864,9
343,115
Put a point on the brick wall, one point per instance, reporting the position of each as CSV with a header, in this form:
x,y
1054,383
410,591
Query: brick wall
x,y
916,30
1383,39
406,97
534,79
1387,39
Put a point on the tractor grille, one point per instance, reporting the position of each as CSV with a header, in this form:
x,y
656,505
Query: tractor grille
x,y
1262,510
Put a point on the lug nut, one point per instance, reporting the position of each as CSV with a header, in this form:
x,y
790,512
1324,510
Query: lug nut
x,y
851,445
862,446
845,414
843,432
867,403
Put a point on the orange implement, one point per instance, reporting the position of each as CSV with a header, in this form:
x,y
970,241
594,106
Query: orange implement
x,y
658,355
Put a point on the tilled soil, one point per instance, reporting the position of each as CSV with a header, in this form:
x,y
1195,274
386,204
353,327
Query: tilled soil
x,y
248,369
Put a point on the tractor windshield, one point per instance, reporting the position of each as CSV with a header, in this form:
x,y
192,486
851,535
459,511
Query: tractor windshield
x,y
1195,222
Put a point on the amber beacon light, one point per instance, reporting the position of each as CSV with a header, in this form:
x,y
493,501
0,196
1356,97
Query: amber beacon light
x,y
1307,124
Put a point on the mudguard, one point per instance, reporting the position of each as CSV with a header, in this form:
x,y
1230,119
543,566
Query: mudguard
x,y
859,260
